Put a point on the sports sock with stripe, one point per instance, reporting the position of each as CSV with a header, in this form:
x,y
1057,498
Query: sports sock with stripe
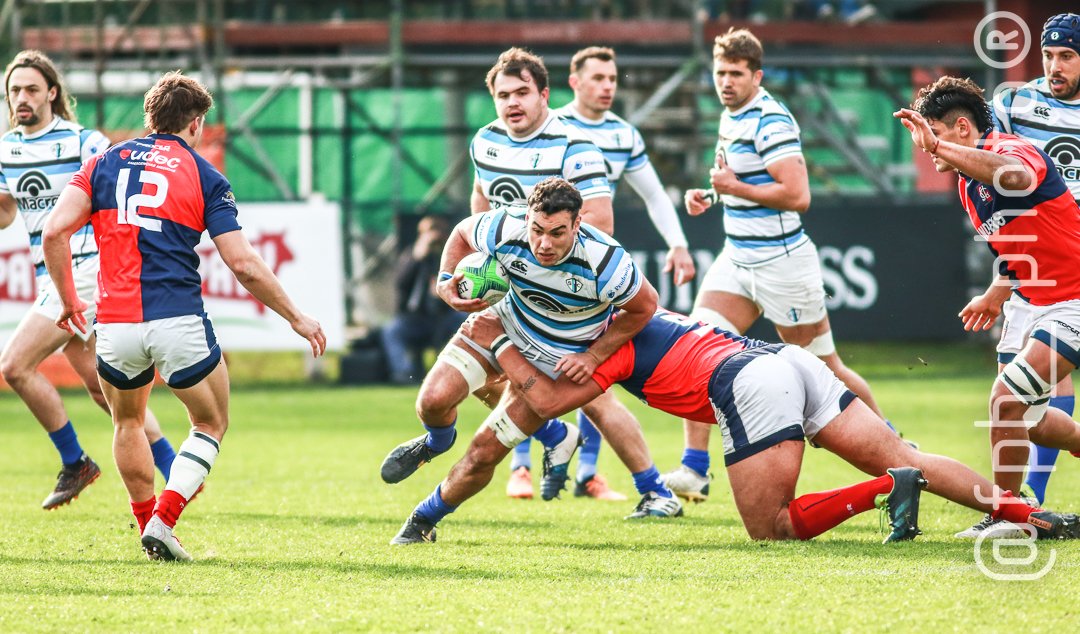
x,y
189,470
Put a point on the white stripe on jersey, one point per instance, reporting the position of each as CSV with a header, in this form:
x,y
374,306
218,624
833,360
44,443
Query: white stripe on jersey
x,y
621,143
35,168
565,307
1031,112
755,136
508,168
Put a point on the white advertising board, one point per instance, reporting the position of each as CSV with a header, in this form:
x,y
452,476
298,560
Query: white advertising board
x,y
301,242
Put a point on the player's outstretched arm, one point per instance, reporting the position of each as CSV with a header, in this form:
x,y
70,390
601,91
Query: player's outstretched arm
x,y
8,210
71,213
545,397
646,183
1003,171
983,310
253,273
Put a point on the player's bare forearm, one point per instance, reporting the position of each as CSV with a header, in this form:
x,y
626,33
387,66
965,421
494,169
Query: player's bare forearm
x,y
545,397
599,213
71,212
633,316
984,166
999,290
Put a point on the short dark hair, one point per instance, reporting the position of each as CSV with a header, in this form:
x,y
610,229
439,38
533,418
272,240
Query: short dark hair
x,y
173,102
949,98
514,60
63,104
554,195
739,45
602,53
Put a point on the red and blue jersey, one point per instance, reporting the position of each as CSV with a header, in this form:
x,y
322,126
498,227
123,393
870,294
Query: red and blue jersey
x,y
1034,235
151,200
669,363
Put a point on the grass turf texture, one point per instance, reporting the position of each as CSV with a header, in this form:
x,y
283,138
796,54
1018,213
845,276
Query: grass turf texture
x,y
292,532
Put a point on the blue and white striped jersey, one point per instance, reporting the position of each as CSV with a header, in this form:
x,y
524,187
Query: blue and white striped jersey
x,y
620,142
508,168
565,307
752,138
35,168
1050,124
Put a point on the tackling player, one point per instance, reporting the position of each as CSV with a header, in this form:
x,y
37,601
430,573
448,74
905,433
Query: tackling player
x,y
1019,204
44,148
566,280
768,264
766,398
150,200
1045,112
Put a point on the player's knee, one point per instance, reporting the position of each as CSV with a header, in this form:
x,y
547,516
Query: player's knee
x,y
435,401
1020,393
12,371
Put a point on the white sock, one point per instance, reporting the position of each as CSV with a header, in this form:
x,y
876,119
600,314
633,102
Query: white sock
x,y
193,462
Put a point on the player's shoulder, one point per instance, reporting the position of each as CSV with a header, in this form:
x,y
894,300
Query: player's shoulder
x,y
770,105
597,245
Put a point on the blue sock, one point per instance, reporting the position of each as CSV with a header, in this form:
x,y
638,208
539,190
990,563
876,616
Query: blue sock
x,y
440,438
590,450
163,456
649,480
1043,458
520,456
67,443
552,433
697,460
433,509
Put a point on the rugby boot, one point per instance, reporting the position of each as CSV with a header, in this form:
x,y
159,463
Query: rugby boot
x,y
409,456
902,504
70,482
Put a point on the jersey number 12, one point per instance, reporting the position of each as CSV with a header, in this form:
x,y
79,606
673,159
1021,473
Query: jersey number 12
x,y
127,207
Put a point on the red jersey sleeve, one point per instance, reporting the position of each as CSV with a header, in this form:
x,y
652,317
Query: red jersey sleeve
x,y
617,367
1027,154
81,179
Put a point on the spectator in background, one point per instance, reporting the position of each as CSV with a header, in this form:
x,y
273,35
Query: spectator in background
x,y
422,320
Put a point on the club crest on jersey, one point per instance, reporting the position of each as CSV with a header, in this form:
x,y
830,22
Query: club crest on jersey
x,y
535,160
574,284
983,192
58,149
519,266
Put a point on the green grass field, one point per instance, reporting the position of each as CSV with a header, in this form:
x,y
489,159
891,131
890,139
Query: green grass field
x,y
291,533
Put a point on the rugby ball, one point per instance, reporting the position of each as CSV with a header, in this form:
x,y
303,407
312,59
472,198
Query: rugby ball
x,y
482,278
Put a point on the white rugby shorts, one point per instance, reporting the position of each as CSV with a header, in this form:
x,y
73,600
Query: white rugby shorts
x,y
84,273
1056,325
764,396
789,290
184,350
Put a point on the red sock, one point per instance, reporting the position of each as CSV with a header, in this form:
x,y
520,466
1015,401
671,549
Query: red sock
x,y
1012,509
169,507
143,511
814,513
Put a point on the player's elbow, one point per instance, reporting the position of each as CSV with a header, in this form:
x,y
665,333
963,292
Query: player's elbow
x,y
801,202
51,235
1014,180
244,267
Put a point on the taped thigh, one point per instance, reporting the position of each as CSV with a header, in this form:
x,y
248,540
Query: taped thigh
x,y
710,316
506,430
470,369
822,345
1026,384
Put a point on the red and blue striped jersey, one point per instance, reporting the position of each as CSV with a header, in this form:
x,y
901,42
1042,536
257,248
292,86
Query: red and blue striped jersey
x,y
1034,235
669,363
151,199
